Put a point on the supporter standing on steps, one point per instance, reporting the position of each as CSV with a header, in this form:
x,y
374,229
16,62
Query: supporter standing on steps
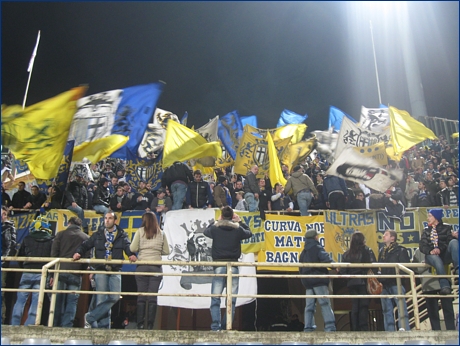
x,y
150,243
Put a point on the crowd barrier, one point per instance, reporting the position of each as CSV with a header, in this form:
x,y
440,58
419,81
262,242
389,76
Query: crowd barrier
x,y
402,271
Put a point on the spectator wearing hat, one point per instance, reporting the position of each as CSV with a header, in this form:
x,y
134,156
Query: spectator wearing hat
x,y
315,253
199,194
222,195
37,244
161,204
439,243
101,197
76,199
302,188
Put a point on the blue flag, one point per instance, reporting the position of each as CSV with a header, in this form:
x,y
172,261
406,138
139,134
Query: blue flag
x,y
383,106
336,117
250,119
184,119
134,112
148,170
230,131
288,117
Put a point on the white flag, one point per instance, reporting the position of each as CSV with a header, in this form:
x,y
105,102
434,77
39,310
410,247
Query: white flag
x,y
374,119
34,53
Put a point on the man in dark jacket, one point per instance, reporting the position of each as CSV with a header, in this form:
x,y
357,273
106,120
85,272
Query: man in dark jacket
x,y
177,177
109,242
21,196
449,195
101,198
37,244
392,252
440,246
120,201
226,235
8,249
76,199
142,199
199,194
64,246
251,188
36,199
315,253
335,192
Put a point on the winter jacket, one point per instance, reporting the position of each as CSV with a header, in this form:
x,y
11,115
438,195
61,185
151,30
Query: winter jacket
x,y
226,238
20,199
65,245
178,171
76,193
36,244
398,254
444,231
365,256
422,199
298,182
8,241
250,184
220,196
199,194
97,241
125,203
101,196
314,253
36,200
331,183
144,203
444,195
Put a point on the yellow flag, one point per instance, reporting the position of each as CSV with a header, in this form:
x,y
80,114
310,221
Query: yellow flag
x,y
100,148
455,135
182,144
295,130
275,173
377,152
298,152
406,132
38,134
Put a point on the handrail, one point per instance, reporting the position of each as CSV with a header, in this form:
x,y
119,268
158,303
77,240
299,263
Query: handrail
x,y
404,267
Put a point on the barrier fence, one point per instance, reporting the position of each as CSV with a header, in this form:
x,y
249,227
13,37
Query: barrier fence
x,y
402,271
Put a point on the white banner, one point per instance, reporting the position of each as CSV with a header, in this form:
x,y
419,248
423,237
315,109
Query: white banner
x,y
184,224
374,119
353,135
350,165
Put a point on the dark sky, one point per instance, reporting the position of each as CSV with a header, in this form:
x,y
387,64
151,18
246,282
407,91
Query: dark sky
x,y
215,57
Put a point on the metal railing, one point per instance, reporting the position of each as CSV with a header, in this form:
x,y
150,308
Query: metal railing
x,y
413,293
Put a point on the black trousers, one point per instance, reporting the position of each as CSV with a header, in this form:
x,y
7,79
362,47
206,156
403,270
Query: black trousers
x,y
359,309
148,283
432,308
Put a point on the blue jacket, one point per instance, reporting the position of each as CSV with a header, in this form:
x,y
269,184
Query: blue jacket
x,y
333,183
314,253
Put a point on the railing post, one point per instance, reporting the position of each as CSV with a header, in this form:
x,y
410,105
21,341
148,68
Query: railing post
x,y
414,300
41,293
229,297
54,295
400,300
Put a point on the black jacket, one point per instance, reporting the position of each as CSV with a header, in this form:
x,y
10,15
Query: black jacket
x,y
444,195
398,254
36,244
36,200
97,241
314,253
366,256
177,171
226,238
126,203
101,196
76,193
199,194
8,240
444,237
20,199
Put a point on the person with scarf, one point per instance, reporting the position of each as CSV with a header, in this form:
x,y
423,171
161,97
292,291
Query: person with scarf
x,y
439,243
392,252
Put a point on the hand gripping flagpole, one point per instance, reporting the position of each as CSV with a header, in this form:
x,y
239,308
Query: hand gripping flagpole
x,y
30,68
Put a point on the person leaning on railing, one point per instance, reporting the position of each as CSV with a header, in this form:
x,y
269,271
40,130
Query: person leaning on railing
x,y
150,243
8,249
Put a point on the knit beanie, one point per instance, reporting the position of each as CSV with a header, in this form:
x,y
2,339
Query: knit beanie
x,y
437,214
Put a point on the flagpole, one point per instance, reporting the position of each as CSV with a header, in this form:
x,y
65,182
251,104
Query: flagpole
x,y
375,63
30,68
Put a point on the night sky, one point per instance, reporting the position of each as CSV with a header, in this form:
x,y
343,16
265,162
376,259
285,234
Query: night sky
x,y
256,57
